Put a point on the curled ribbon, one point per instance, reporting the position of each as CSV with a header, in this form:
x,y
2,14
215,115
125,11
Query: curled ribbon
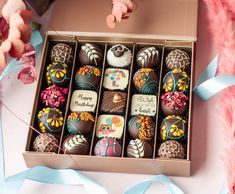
x,y
209,84
50,176
141,187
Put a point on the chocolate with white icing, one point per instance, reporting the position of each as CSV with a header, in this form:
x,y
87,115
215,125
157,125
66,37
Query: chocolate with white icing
x,y
147,57
119,56
76,144
178,59
139,149
90,54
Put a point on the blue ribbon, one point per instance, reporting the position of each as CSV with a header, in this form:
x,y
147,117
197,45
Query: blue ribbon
x,y
50,176
209,84
141,187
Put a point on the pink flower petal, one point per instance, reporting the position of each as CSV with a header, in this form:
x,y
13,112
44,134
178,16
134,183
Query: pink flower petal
x,y
16,20
12,6
25,33
17,48
6,46
27,75
2,61
27,16
14,33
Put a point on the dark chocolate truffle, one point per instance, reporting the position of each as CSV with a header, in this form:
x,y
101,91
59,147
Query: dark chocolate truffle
x,y
119,56
50,120
145,81
173,128
45,143
62,53
54,96
88,77
147,57
80,123
141,127
76,144
139,149
90,54
176,81
178,59
58,74
171,149
108,146
113,102
174,103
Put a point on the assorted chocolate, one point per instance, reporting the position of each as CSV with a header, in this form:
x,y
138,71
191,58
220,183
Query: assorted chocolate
x,y
113,104
145,81
88,77
119,56
174,105
138,148
76,144
91,54
148,57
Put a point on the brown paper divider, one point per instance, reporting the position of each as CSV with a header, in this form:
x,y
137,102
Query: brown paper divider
x,y
188,47
40,86
68,97
158,102
138,45
37,94
128,104
98,101
109,44
191,102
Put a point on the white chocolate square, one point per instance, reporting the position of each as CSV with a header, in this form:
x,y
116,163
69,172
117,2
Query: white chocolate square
x,y
143,105
83,101
110,126
116,79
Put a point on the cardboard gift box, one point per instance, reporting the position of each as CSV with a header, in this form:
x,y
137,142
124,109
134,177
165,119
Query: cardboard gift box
x,y
164,24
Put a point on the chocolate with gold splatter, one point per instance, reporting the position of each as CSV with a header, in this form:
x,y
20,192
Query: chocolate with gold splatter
x,y
176,81
57,74
141,127
173,128
88,77
145,81
50,120
80,123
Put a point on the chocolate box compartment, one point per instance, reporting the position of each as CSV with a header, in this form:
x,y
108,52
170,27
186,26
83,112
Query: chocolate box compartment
x,y
43,85
117,164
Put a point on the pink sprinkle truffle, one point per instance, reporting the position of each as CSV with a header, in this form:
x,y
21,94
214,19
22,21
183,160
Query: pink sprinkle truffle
x,y
54,96
174,103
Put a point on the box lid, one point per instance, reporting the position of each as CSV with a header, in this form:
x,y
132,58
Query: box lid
x,y
166,19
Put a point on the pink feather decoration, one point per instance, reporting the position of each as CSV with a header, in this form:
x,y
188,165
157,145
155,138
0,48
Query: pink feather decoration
x,y
221,15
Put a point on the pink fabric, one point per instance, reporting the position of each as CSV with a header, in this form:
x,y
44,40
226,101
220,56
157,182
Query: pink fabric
x,y
221,14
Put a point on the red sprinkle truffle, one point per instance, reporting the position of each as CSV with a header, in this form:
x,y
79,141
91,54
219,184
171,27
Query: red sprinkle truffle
x,y
174,103
54,96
